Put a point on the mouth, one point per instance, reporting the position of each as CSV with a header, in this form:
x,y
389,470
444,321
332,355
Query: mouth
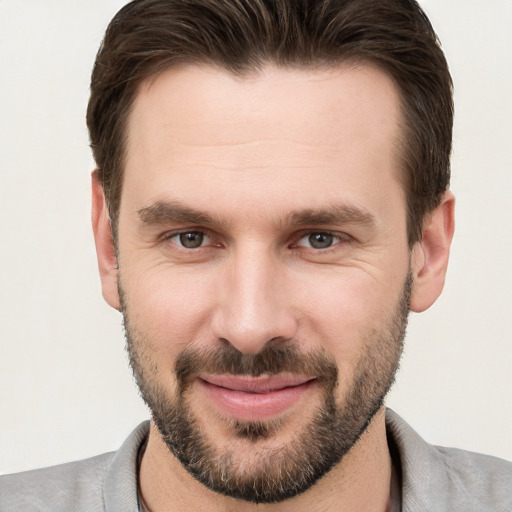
x,y
255,398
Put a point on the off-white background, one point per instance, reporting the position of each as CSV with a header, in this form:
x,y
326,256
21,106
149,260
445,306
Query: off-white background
x,y
65,389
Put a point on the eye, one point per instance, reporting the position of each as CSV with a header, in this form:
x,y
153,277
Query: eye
x,y
319,240
190,239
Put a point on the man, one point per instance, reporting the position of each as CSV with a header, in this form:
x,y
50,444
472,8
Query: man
x,y
271,200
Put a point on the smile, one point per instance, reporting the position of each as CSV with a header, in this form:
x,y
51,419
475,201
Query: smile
x,y
255,399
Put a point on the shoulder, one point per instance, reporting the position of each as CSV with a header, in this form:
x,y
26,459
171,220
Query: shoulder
x,y
62,487
448,479
104,482
482,478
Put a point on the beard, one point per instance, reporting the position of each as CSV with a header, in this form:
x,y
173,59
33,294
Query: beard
x,y
279,473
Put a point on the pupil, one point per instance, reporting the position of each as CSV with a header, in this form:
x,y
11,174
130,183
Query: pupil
x,y
191,240
320,240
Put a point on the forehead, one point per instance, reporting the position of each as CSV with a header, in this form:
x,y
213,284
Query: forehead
x,y
293,129
201,96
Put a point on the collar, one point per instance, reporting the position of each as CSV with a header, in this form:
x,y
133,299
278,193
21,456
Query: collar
x,y
432,478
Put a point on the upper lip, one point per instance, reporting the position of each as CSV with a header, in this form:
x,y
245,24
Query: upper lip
x,y
262,384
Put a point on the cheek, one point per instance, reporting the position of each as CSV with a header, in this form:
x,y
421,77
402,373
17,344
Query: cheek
x,y
171,309
343,312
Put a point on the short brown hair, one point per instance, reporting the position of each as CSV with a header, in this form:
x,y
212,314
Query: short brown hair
x,y
148,36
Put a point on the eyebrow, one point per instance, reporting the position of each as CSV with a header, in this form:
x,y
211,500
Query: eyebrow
x,y
174,212
336,214
165,212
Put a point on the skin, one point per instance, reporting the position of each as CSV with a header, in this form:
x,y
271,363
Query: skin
x,y
250,152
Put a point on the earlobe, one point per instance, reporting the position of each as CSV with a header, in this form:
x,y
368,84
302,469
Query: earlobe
x,y
105,250
430,255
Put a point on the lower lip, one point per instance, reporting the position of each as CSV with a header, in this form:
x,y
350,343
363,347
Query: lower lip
x,y
244,406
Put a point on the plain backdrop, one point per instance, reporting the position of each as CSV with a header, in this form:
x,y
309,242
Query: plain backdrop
x,y
65,388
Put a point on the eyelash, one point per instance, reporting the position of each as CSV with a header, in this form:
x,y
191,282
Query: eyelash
x,y
169,236
340,238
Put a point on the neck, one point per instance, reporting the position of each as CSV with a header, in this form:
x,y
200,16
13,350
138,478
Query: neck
x,y
360,482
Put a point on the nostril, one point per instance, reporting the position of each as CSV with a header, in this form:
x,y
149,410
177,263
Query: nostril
x,y
225,342
279,340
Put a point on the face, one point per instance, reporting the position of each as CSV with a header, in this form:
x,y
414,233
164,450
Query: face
x,y
264,268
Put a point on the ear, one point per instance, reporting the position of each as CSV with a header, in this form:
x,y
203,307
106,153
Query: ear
x,y
430,254
107,261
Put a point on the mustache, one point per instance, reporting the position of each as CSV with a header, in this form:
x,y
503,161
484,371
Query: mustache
x,y
272,360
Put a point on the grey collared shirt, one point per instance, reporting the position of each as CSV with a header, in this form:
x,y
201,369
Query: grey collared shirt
x,y
433,479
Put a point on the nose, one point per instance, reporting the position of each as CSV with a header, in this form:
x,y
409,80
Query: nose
x,y
253,308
